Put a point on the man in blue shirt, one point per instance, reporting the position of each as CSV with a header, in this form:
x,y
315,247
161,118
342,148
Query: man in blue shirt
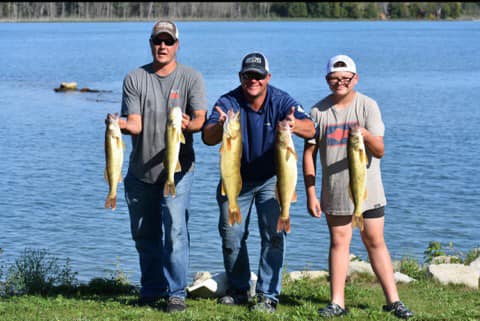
x,y
261,107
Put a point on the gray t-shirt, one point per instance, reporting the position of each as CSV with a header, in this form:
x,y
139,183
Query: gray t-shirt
x,y
332,137
150,95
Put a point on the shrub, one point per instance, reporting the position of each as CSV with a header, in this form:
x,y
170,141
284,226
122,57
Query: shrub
x,y
37,272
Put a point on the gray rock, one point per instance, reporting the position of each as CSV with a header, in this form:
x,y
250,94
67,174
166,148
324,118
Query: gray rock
x,y
455,274
360,267
297,275
402,278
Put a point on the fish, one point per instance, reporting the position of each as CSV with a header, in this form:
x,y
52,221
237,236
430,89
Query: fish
x,y
114,148
173,138
286,170
230,161
357,167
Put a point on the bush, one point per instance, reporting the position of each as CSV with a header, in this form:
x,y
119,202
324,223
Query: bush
x,y
37,272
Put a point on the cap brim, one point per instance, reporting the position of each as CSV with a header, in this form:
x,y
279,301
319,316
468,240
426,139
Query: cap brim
x,y
262,72
164,31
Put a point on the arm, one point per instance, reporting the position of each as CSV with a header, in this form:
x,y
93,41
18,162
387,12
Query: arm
x,y
132,125
212,133
373,143
309,173
304,128
194,125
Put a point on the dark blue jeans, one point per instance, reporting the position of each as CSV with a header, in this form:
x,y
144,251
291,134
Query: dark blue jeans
x,y
159,228
234,239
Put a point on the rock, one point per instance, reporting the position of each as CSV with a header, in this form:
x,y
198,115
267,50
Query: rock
x,y
297,275
360,267
206,285
445,259
455,273
476,264
402,278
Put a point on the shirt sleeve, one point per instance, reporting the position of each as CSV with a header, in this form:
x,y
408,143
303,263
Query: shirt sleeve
x,y
314,115
373,121
130,97
197,94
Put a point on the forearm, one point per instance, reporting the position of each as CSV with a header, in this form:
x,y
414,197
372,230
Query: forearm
x,y
212,133
304,128
374,144
309,170
196,124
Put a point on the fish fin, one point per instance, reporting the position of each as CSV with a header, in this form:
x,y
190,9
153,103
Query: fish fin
x,y
283,225
105,174
221,150
169,189
363,157
124,146
223,189
111,202
277,194
178,167
365,195
120,178
350,192
294,196
294,153
181,137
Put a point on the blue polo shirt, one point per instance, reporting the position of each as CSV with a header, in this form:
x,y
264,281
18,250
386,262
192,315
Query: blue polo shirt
x,y
258,128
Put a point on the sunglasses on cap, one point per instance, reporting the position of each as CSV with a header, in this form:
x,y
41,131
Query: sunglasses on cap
x,y
252,75
168,42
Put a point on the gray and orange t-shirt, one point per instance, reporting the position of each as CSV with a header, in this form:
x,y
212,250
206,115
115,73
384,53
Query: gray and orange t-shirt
x,y
150,95
332,137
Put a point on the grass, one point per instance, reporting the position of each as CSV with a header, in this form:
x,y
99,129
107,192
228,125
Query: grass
x,y
299,300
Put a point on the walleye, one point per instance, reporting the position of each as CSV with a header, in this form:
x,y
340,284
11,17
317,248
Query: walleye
x,y
230,156
286,168
173,138
357,166
114,147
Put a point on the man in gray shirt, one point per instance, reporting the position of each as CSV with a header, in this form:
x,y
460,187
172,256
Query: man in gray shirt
x,y
159,221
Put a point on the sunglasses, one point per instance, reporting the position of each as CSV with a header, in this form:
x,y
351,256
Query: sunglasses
x,y
168,42
252,75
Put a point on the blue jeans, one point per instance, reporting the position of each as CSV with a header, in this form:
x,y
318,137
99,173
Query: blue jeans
x,y
234,239
159,227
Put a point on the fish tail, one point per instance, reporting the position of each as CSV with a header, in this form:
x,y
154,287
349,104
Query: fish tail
x,y
357,221
283,225
111,202
169,189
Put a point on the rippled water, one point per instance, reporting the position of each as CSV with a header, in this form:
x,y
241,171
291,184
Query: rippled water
x,y
424,75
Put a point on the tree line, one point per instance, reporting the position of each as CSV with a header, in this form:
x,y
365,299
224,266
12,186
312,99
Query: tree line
x,y
53,11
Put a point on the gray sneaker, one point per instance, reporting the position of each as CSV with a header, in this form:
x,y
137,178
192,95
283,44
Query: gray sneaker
x,y
234,298
399,309
264,305
332,310
175,304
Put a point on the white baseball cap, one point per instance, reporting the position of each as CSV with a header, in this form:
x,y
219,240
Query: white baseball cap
x,y
341,63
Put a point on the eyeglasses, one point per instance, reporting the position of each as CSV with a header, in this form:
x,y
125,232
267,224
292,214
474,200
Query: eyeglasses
x,y
168,42
252,75
335,80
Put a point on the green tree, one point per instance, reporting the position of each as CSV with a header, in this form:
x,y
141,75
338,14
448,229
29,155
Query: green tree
x,y
371,11
297,10
280,9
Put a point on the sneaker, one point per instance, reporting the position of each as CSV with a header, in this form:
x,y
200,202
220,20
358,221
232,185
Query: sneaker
x,y
234,298
176,304
332,310
399,309
264,305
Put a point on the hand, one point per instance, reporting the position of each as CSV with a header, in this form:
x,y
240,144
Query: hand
x,y
314,207
290,119
185,121
222,116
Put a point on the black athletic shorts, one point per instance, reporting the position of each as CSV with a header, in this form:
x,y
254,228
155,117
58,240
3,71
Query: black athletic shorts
x,y
375,213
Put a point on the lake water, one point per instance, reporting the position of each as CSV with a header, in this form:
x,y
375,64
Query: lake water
x,y
424,76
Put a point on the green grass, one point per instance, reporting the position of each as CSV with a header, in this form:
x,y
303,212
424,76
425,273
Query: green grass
x,y
300,300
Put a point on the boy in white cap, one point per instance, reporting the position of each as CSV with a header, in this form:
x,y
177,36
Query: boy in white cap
x,y
335,115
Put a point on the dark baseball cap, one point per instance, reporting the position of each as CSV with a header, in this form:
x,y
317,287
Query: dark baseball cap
x,y
255,62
